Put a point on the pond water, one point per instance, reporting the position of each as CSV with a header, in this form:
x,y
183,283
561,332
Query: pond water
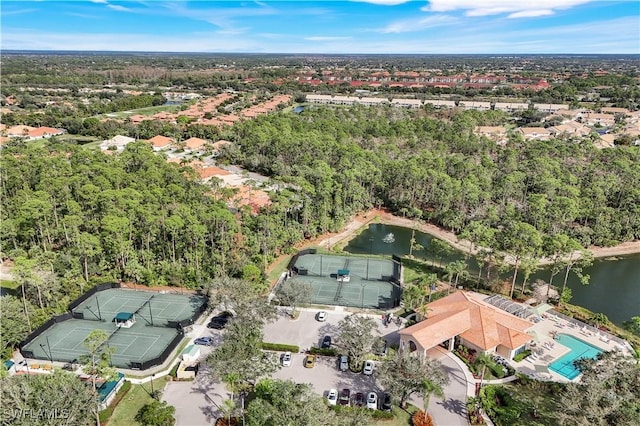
x,y
614,287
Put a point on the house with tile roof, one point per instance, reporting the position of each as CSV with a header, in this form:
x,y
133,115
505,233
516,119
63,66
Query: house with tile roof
x,y
44,133
498,134
160,142
465,319
194,144
535,133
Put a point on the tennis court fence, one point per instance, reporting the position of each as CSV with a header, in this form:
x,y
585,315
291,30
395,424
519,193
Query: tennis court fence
x,y
35,333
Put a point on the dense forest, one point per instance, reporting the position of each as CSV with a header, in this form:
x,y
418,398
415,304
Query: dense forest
x,y
72,217
437,169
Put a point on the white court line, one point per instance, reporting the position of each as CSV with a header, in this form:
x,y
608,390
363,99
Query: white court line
x,y
149,347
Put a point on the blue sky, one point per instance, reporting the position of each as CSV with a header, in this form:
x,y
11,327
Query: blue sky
x,y
363,26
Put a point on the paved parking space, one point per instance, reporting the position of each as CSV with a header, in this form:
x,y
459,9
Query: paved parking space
x,y
326,375
306,331
196,402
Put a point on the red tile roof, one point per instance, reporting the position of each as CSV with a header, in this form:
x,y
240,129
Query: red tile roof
x,y
476,321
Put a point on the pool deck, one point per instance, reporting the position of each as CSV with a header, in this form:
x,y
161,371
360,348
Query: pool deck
x,y
550,350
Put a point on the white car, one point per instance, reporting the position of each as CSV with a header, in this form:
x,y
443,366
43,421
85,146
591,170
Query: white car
x,y
286,359
332,397
372,400
368,368
322,316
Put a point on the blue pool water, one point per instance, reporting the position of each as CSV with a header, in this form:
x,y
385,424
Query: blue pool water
x,y
579,349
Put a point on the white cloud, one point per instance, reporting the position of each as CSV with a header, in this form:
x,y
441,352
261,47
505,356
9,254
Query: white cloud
x,y
99,1
516,8
118,7
327,38
531,13
382,2
417,24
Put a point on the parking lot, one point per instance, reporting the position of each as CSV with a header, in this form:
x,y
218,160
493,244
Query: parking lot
x,y
306,331
197,402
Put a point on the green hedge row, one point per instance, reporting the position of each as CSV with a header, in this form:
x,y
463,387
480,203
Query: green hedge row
x,y
323,351
522,355
280,347
106,414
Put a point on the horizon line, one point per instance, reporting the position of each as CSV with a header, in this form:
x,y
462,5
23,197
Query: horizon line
x,y
317,53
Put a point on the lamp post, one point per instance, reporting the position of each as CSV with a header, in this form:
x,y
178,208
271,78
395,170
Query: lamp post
x,y
370,254
362,286
153,394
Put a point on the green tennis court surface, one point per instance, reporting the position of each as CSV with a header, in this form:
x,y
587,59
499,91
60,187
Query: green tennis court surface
x,y
369,283
155,327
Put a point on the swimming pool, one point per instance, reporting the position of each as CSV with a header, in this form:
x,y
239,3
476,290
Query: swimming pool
x,y
579,349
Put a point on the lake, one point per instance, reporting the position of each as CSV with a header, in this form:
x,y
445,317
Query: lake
x,y
614,287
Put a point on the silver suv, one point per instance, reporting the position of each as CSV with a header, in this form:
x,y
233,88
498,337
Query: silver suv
x,y
344,363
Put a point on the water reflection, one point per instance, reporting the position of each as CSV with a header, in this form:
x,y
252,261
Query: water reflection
x,y
614,287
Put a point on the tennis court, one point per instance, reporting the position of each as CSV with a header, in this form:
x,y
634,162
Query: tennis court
x,y
154,332
369,283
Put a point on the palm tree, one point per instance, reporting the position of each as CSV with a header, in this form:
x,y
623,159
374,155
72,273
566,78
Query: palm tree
x,y
430,387
483,360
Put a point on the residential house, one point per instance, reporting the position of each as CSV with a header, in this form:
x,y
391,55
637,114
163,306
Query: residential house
x,y
44,133
466,319
19,131
614,110
598,119
440,103
551,108
407,103
476,105
498,134
118,141
606,140
570,129
511,106
161,143
194,144
535,133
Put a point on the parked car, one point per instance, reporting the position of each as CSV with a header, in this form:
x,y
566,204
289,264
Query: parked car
x,y
310,361
220,321
358,400
386,402
326,342
286,359
345,397
344,363
372,400
322,316
332,397
205,341
368,368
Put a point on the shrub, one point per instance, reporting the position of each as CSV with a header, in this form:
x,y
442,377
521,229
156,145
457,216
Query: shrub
x,y
174,371
497,370
323,351
382,415
280,347
420,418
522,355
106,414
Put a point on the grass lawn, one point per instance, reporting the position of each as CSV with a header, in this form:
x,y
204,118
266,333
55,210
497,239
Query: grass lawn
x,y
11,285
277,269
141,111
125,412
401,418
414,269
